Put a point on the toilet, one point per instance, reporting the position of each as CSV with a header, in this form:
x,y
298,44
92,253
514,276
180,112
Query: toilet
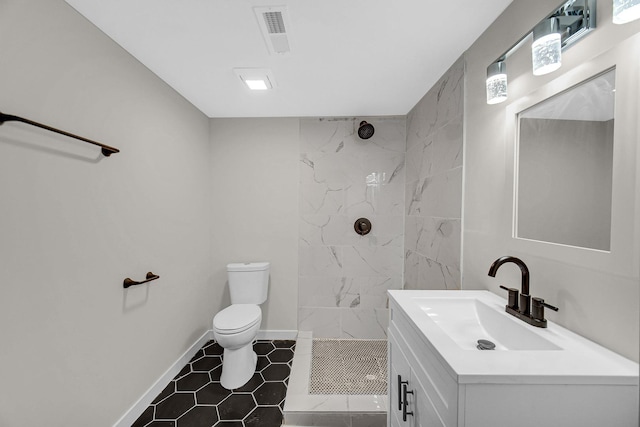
x,y
236,326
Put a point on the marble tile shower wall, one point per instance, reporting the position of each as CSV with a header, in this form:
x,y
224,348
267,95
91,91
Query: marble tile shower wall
x,y
434,185
344,277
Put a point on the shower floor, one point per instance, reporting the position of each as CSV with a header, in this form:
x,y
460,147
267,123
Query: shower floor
x,y
338,403
340,366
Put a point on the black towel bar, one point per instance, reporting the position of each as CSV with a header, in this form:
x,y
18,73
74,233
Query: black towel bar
x,y
106,150
128,282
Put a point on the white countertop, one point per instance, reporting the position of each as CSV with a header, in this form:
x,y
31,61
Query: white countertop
x,y
577,361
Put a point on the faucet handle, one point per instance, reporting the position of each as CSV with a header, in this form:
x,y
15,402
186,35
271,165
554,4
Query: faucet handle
x,y
537,308
513,297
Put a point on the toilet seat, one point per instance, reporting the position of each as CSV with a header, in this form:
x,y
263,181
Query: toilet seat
x,y
237,318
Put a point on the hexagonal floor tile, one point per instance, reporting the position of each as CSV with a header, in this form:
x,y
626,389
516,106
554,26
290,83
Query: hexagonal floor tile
x,y
193,381
206,363
284,343
184,371
263,347
199,416
255,382
212,394
214,374
270,393
236,407
276,372
145,418
162,424
229,424
263,362
174,406
197,356
280,355
213,349
170,388
264,416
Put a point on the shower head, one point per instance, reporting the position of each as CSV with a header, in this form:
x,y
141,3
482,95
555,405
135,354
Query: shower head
x,y
365,131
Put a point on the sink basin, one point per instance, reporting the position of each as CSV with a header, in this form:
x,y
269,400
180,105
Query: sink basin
x,y
450,323
467,320
535,376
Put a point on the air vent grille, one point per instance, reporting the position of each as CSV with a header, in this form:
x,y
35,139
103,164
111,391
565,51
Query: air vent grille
x,y
275,23
275,27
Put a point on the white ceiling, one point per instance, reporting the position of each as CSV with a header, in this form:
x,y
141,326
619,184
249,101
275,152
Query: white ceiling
x,y
348,58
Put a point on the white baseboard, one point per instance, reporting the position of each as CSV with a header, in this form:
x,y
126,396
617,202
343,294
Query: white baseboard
x,y
277,335
139,407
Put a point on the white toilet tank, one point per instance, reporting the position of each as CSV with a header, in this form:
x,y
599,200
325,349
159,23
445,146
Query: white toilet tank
x,y
248,282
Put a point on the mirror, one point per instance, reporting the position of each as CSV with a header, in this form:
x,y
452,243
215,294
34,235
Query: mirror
x,y
565,166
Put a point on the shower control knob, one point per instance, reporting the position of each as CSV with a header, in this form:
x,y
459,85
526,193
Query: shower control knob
x,y
362,226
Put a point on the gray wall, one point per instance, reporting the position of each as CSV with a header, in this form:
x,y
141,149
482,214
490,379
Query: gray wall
x,y
254,182
77,349
434,185
600,304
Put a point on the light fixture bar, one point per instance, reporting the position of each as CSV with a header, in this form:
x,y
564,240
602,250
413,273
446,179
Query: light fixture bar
x,y
575,19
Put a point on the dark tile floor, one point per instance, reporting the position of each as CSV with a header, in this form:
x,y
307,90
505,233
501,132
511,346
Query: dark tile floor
x,y
195,398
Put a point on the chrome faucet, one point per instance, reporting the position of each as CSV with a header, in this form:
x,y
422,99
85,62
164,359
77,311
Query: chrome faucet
x,y
521,307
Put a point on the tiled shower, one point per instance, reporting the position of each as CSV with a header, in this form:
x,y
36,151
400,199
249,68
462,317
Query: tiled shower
x,y
434,185
414,207
343,276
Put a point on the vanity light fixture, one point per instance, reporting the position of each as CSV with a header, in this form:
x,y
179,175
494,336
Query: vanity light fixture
x,y
625,11
546,49
557,31
497,82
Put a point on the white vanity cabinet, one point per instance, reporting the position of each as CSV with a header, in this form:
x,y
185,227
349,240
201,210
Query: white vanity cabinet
x,y
431,398
566,381
410,403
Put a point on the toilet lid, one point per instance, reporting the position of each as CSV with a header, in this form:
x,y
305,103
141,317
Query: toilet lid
x,y
237,318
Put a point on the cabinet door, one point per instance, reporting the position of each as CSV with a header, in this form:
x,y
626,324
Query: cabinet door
x,y
402,375
423,408
399,372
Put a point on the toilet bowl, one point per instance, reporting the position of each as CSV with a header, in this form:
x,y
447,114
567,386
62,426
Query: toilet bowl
x,y
235,328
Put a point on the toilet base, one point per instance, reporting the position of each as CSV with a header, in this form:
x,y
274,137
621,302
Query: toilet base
x,y
238,366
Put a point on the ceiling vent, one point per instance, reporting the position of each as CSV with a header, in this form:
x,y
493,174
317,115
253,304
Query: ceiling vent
x,y
274,24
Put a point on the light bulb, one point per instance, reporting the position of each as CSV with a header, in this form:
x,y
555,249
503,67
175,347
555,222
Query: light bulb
x,y
546,50
496,83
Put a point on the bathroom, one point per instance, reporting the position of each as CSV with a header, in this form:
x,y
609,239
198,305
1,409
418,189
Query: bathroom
x,y
189,194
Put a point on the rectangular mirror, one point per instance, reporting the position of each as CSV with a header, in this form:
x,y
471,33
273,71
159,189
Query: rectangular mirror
x,y
565,166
